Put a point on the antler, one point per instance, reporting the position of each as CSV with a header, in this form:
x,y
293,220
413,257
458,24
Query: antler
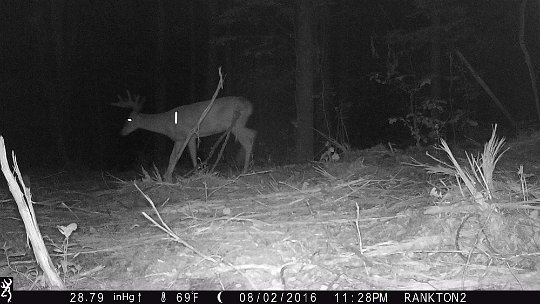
x,y
135,105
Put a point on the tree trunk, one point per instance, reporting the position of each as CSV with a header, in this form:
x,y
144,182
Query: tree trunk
x,y
62,84
342,63
436,57
193,51
228,64
100,141
323,105
212,76
486,88
160,79
305,72
228,54
41,40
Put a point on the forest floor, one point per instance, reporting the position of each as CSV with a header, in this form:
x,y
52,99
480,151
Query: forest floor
x,y
371,221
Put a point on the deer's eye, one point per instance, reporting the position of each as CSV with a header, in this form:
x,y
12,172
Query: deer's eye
x,y
129,120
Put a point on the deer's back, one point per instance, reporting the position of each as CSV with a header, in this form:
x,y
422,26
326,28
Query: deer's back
x,y
218,119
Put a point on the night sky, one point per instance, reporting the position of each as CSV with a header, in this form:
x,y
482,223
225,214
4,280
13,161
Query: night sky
x,y
64,62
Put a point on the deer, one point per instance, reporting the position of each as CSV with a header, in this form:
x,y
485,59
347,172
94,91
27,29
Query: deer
x,y
227,113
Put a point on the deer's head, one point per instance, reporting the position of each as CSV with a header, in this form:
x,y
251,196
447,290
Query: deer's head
x,y
134,103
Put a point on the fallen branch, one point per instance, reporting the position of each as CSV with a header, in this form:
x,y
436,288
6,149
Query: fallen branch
x,y
24,203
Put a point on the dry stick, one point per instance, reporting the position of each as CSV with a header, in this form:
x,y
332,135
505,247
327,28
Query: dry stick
x,y
485,87
220,154
196,127
213,149
307,193
514,275
224,185
168,230
358,232
176,238
24,203
226,135
235,118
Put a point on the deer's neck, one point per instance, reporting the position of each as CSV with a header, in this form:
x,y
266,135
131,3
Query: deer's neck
x,y
160,123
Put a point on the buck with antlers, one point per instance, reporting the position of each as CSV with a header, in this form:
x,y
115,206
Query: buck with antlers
x,y
226,113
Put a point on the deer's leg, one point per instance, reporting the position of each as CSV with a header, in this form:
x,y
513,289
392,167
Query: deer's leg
x,y
246,137
193,151
173,159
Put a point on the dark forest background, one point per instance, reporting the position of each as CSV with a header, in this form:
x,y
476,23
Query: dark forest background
x,y
400,71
